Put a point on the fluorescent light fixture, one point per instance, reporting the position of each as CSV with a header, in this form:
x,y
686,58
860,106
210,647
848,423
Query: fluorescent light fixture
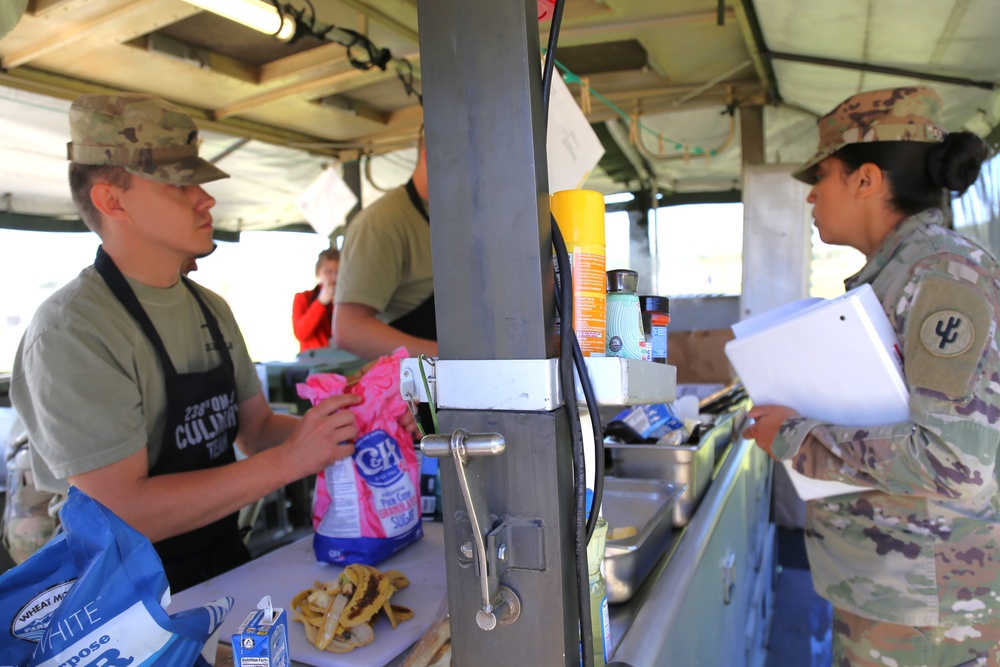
x,y
256,14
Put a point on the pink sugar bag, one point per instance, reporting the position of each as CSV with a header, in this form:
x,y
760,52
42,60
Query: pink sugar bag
x,y
367,506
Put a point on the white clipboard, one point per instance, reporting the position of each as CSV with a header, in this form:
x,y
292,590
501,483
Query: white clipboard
x,y
837,360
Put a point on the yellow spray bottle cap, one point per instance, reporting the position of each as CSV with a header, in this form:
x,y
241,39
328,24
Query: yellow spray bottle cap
x,y
580,216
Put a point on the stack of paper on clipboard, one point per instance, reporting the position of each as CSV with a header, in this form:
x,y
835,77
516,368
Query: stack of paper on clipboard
x,y
832,359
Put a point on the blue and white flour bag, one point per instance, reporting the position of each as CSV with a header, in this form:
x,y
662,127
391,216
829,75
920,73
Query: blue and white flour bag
x,y
96,596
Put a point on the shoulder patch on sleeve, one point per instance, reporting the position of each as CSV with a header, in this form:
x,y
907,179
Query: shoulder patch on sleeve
x,y
947,334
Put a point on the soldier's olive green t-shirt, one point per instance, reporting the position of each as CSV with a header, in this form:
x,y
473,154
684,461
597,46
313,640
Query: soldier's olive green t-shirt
x,y
88,384
386,259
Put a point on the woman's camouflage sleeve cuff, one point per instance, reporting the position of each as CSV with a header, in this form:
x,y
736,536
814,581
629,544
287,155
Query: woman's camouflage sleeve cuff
x,y
791,435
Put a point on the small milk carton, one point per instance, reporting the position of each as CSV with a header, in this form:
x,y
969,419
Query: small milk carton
x,y
262,638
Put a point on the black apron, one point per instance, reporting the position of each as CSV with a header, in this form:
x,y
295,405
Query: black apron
x,y
199,432
422,320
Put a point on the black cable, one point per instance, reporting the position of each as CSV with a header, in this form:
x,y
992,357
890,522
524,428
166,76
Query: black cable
x,y
281,17
312,11
374,56
550,56
407,79
566,349
595,419
566,337
588,390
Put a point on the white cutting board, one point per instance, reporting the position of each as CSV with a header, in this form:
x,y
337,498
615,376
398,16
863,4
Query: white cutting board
x,y
286,571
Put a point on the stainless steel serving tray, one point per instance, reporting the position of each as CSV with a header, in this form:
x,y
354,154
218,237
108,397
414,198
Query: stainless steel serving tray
x,y
687,464
646,504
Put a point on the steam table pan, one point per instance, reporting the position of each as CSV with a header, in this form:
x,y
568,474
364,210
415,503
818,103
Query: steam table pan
x,y
647,505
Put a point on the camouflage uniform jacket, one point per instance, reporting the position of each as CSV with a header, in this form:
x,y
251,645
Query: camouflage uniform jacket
x,y
922,548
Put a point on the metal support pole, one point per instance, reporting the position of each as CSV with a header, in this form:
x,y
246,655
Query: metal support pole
x,y
752,135
490,235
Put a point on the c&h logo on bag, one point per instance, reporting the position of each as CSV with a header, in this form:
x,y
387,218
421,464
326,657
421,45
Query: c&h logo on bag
x,y
32,619
378,458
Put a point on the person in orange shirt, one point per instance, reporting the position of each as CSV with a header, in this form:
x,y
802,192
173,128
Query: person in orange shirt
x,y
312,310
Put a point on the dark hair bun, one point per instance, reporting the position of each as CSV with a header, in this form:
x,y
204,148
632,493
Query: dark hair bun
x,y
954,163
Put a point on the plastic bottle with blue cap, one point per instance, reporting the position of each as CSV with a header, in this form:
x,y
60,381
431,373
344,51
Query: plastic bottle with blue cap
x,y
600,618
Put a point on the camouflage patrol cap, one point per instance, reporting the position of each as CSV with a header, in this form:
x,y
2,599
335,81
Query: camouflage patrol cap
x,y
144,134
892,114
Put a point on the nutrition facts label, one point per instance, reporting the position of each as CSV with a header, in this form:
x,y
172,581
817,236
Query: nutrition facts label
x,y
343,519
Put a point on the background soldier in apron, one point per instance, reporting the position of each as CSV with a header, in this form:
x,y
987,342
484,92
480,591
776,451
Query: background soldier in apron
x,y
912,567
385,289
133,382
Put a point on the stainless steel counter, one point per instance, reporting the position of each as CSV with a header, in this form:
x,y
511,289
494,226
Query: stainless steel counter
x,y
707,575
714,572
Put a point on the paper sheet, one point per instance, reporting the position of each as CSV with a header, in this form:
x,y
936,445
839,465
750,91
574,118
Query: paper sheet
x,y
572,146
326,202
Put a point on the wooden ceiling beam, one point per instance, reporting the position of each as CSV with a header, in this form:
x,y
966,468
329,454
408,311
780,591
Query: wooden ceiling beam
x,y
321,86
42,7
303,63
80,30
330,84
67,88
379,16
405,128
122,22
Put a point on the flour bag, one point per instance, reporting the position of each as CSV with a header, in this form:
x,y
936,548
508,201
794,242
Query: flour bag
x,y
96,596
367,506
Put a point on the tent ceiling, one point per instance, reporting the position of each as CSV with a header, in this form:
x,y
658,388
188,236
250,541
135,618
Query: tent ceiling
x,y
682,69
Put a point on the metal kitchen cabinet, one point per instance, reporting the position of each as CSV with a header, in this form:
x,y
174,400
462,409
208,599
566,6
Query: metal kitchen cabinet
x,y
709,603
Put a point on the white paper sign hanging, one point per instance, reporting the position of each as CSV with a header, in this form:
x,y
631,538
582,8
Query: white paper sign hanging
x,y
326,202
572,145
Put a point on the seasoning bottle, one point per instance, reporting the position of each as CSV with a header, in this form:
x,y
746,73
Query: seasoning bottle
x,y
655,318
580,216
625,335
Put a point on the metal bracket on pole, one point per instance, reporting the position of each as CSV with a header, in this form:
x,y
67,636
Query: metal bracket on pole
x,y
499,603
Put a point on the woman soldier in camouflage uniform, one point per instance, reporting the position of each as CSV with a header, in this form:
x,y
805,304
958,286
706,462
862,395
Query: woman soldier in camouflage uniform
x,y
912,567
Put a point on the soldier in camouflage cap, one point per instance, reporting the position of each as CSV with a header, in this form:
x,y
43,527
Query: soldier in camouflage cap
x,y
133,382
143,134
912,567
896,114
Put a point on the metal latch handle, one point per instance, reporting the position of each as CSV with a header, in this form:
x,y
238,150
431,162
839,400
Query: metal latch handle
x,y
460,446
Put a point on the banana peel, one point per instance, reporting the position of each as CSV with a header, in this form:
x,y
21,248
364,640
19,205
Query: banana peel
x,y
387,608
398,580
331,622
370,592
433,649
339,616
